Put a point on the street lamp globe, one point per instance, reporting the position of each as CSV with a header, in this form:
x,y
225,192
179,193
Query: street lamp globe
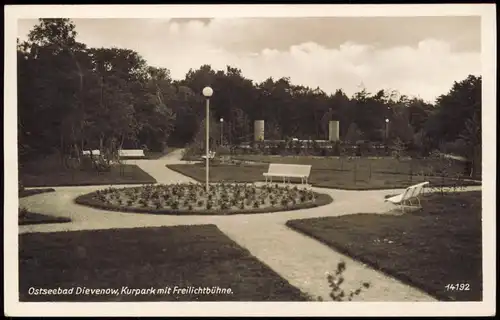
x,y
221,120
207,92
387,120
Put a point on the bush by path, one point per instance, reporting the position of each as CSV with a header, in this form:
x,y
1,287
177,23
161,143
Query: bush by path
x,y
141,258
26,217
440,245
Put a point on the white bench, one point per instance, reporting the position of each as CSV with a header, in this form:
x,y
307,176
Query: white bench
x,y
211,155
411,193
91,152
288,171
131,153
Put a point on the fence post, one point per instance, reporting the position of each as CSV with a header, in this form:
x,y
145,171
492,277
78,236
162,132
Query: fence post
x,y
355,172
411,171
370,166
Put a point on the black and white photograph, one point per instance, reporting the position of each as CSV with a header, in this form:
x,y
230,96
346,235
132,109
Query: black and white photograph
x,y
291,160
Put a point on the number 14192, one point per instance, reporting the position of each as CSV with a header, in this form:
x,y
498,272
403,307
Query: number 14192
x,y
457,287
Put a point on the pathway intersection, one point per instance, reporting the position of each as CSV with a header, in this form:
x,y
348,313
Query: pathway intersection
x,y
302,261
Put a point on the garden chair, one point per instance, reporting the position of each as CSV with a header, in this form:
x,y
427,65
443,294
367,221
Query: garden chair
x,y
411,193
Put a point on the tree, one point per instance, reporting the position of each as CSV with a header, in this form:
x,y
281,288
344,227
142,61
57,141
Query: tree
x,y
239,127
189,112
452,110
51,68
400,126
156,117
199,142
353,133
73,97
471,137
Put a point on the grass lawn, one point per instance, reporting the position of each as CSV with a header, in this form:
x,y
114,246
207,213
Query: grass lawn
x,y
27,218
141,258
320,177
124,174
381,165
31,192
429,249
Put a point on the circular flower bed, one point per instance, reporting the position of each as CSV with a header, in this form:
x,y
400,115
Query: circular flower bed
x,y
222,199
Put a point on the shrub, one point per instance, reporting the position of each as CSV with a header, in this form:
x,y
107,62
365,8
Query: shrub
x,y
310,196
335,281
209,205
222,150
175,205
284,202
443,168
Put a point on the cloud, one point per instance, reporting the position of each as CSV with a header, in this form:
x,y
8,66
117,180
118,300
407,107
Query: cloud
x,y
427,70
416,57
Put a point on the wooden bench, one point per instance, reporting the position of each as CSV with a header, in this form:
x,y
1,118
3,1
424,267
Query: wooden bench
x,y
131,153
288,171
411,193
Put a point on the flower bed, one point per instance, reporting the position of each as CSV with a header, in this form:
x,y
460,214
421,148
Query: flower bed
x,y
222,199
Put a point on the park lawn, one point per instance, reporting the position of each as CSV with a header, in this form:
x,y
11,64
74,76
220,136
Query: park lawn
x,y
119,174
324,178
158,257
429,249
28,218
381,165
31,192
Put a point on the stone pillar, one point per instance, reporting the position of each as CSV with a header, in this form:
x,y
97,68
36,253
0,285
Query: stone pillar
x,y
333,130
258,130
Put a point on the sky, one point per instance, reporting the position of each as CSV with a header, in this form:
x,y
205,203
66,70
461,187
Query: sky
x,y
417,56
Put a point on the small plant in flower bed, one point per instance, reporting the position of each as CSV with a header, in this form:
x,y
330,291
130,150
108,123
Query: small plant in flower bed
x,y
192,198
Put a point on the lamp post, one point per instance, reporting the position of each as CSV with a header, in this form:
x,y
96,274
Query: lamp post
x,y
386,135
221,130
207,92
386,129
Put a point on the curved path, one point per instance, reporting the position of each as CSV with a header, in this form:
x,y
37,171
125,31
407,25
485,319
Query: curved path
x,y
303,261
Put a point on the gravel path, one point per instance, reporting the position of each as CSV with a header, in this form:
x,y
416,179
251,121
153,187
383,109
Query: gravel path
x,y
301,260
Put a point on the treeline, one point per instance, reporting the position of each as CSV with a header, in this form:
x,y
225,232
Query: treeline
x,y
72,97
